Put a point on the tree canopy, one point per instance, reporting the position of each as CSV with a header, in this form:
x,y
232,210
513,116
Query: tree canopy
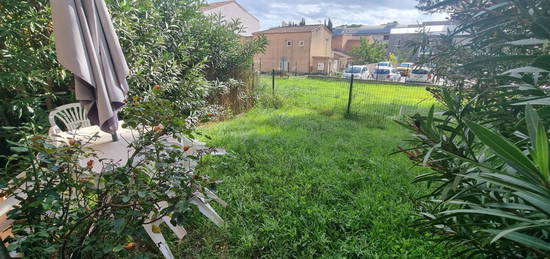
x,y
368,52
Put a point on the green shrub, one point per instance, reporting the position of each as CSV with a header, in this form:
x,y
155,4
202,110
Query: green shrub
x,y
72,211
487,149
169,43
31,80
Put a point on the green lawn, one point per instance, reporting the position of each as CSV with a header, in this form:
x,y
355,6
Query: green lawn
x,y
368,99
303,182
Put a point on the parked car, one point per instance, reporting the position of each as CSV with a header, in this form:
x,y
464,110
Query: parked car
x,y
405,68
421,75
358,72
383,64
387,74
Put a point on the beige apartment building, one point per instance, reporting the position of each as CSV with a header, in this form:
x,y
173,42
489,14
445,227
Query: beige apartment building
x,y
298,49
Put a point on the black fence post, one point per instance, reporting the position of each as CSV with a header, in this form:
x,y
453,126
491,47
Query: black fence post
x,y
253,76
273,81
350,94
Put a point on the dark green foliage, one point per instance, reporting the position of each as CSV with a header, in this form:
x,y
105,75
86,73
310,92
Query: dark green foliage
x,y
31,80
488,150
72,211
488,192
160,50
170,43
166,43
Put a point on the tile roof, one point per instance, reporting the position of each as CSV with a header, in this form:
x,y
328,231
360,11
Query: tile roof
x,y
216,5
292,29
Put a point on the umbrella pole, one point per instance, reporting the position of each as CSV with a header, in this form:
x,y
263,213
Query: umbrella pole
x,y
115,137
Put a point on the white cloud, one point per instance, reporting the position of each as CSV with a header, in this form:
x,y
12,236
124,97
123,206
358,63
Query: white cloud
x,y
272,13
308,8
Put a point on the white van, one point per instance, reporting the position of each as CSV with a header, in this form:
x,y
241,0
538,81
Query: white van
x,y
358,72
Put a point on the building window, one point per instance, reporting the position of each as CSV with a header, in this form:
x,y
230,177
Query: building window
x,y
302,43
386,37
321,66
289,43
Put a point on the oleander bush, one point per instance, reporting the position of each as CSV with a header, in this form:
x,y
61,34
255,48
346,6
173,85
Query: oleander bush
x,y
488,148
170,43
198,62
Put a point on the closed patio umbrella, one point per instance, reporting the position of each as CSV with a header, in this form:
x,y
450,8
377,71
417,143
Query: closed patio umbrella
x,y
87,45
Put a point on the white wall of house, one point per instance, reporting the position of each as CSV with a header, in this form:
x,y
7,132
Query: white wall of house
x,y
234,11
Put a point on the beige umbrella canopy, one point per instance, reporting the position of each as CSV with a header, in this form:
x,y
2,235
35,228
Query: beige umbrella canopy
x,y
87,45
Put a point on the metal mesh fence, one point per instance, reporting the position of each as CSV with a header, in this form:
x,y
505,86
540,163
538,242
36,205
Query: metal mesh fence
x,y
374,100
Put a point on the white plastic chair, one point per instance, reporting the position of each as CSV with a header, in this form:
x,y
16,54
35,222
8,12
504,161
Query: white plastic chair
x,y
71,115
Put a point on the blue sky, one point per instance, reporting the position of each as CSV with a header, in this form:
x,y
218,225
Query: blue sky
x,y
272,12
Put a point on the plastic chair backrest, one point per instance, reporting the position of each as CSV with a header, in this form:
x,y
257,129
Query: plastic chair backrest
x,y
71,115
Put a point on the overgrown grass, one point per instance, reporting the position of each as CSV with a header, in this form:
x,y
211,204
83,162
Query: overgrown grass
x,y
368,98
304,183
